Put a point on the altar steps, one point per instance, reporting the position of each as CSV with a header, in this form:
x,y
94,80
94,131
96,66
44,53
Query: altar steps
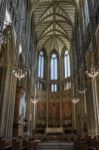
x,y
55,146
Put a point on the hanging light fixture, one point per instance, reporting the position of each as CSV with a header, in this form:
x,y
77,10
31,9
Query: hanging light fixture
x,y
82,86
82,90
75,99
34,100
35,97
20,70
92,72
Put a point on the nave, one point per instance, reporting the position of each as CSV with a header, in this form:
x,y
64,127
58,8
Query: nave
x,y
49,74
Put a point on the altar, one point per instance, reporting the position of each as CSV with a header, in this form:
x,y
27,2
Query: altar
x,y
54,130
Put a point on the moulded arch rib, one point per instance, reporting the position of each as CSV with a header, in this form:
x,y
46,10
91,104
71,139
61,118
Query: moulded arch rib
x,y
58,15
37,3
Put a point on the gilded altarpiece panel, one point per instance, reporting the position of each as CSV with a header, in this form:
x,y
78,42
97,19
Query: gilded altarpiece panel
x,y
54,114
41,113
67,113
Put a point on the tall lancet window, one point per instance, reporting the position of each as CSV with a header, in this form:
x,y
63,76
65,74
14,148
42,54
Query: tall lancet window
x,y
41,65
67,82
54,67
66,64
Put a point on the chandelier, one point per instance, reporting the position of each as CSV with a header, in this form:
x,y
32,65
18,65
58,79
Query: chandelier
x,y
82,90
92,72
75,100
34,99
20,70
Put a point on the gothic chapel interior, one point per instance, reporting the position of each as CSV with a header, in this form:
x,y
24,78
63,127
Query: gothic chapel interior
x,y
49,74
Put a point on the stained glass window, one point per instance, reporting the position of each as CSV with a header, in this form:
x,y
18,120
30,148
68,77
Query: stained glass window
x,y
66,64
54,69
41,65
53,87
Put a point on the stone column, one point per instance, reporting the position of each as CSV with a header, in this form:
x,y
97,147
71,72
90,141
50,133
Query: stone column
x,y
74,116
60,85
48,90
11,104
30,105
2,79
34,115
91,107
73,65
8,103
16,111
3,76
80,115
96,106
84,110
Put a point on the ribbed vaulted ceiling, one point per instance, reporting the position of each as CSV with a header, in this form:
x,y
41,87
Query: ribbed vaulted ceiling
x,y
54,21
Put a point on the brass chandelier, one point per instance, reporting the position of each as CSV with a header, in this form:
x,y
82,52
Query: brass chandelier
x,y
20,70
75,98
35,97
92,72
